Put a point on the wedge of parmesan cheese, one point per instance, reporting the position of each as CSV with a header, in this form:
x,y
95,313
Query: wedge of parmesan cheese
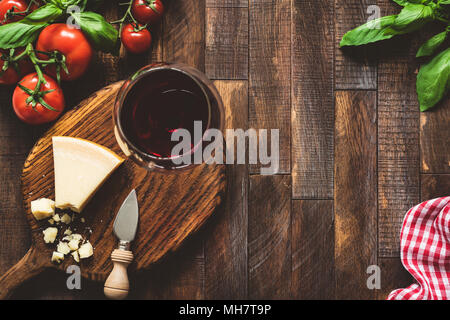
x,y
81,167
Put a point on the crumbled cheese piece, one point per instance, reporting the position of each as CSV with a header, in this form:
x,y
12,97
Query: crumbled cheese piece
x,y
86,250
42,208
51,221
70,237
66,219
74,244
57,218
57,256
68,232
50,234
76,256
83,220
63,248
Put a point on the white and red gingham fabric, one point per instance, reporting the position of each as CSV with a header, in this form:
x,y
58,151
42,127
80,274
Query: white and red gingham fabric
x,y
425,251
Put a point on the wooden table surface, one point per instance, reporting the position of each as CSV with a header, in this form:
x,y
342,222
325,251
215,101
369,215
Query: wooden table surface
x,y
356,154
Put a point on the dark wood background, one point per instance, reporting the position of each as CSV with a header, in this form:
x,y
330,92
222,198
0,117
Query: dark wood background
x,y
356,154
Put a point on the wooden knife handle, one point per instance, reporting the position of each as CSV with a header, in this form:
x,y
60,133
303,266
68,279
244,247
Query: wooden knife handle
x,y
117,284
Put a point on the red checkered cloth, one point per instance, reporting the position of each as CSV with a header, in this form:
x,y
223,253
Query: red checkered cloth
x,y
425,251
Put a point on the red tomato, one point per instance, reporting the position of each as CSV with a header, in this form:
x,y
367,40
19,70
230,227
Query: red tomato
x,y
13,5
147,11
39,114
10,75
72,43
136,41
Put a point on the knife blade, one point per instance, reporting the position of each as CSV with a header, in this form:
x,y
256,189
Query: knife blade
x,y
126,222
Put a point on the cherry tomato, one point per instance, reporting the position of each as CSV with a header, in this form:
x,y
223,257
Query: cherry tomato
x,y
147,11
136,41
71,43
39,114
14,6
10,75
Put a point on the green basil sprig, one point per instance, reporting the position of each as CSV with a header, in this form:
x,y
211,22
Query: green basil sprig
x,y
102,35
25,31
433,78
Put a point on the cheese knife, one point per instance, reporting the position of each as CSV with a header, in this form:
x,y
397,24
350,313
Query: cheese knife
x,y
125,227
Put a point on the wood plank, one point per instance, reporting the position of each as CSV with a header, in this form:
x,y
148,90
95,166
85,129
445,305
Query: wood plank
x,y
398,143
269,235
269,74
356,67
178,277
313,249
434,186
226,241
393,276
184,41
227,43
227,3
435,139
355,192
184,33
312,100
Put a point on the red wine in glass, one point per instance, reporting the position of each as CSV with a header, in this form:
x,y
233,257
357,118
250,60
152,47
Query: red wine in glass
x,y
161,102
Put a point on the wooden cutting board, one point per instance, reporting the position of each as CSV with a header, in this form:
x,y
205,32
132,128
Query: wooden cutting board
x,y
172,205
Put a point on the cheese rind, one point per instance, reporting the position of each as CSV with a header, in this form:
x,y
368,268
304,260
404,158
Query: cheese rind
x,y
81,167
42,208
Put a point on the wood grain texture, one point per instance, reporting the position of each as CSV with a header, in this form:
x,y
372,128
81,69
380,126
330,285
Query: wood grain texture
x,y
184,41
435,139
313,250
393,276
355,193
312,100
269,237
184,33
227,3
227,43
166,214
226,243
269,77
398,144
434,186
356,67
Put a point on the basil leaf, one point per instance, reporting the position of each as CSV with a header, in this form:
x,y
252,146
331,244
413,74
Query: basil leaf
x,y
433,80
19,34
25,31
102,35
372,31
430,47
444,2
412,18
404,3
401,2
45,13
